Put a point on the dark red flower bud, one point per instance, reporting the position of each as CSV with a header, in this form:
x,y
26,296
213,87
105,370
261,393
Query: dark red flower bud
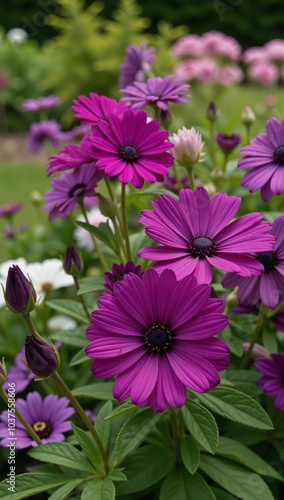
x,y
41,358
228,142
20,295
72,263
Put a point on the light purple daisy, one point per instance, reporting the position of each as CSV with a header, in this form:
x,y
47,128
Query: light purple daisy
x,y
40,103
10,209
96,107
71,157
157,336
118,272
40,132
196,234
156,91
269,285
264,156
137,61
19,374
131,148
48,417
70,188
272,381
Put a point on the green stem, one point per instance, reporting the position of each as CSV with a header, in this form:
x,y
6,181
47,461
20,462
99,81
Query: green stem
x,y
119,236
191,178
275,311
226,156
75,403
178,181
124,221
95,241
81,298
118,226
30,324
175,426
255,335
212,142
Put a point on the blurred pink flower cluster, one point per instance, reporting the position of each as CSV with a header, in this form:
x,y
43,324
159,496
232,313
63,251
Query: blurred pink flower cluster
x,y
265,65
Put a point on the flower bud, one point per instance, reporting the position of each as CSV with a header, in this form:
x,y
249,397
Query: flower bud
x,y
3,372
41,358
248,116
228,142
188,147
107,207
211,112
258,351
72,263
20,295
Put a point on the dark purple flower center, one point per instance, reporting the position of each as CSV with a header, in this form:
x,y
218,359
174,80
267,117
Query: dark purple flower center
x,y
42,428
76,190
202,246
278,155
268,260
128,153
158,338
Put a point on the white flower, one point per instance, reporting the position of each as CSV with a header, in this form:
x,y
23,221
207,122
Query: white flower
x,y
47,276
83,237
60,322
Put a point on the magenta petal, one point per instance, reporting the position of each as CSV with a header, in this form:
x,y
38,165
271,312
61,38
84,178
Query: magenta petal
x,y
103,368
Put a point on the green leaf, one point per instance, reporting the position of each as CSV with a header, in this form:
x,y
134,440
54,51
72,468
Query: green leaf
x,y
123,409
99,490
236,406
62,454
134,432
90,447
201,424
239,453
244,381
103,426
28,485
76,337
99,390
179,484
90,285
117,475
103,232
137,241
236,479
269,340
80,357
190,454
222,494
65,489
70,308
145,467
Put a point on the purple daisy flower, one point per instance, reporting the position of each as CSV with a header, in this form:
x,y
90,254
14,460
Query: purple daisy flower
x,y
264,156
96,107
19,374
157,335
48,417
40,103
68,189
228,142
132,149
272,381
71,157
195,235
156,91
41,131
137,61
10,209
269,285
118,271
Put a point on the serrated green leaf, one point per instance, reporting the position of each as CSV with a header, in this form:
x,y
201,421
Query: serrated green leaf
x,y
103,426
31,484
201,424
181,485
70,308
134,432
65,489
90,285
145,467
244,381
99,390
62,454
123,409
235,478
239,453
80,357
99,490
76,337
236,406
90,447
190,454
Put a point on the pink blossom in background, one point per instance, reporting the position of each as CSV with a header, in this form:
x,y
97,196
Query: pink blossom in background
x,y
216,43
188,46
255,55
230,75
40,103
187,70
201,70
275,50
264,73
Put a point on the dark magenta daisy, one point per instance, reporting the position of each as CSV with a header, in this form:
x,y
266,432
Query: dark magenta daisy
x,y
158,91
137,61
272,381
131,148
70,188
157,336
269,285
96,107
71,157
118,271
196,233
264,156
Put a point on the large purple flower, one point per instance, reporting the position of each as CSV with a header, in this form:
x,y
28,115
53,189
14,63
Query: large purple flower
x,y
264,156
48,417
96,107
272,381
42,131
269,285
157,335
68,189
131,148
158,91
137,61
195,235
71,157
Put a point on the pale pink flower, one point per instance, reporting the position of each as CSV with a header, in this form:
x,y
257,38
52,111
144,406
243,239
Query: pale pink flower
x,y
188,147
188,46
229,75
255,55
264,73
187,70
275,50
207,70
216,43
